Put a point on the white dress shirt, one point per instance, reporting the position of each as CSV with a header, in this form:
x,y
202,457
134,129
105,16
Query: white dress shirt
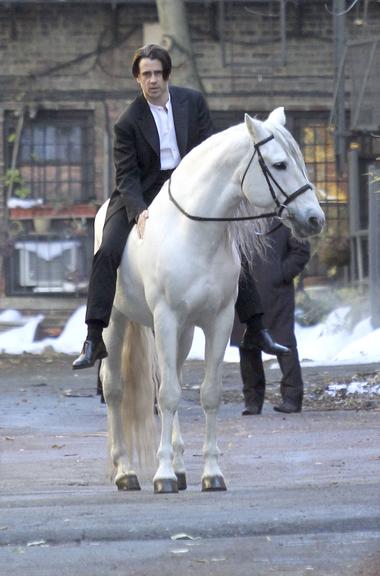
x,y
169,152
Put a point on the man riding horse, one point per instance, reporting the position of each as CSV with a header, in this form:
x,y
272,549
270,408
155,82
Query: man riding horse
x,y
152,135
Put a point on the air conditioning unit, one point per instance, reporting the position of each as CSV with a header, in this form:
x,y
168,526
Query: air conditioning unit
x,y
48,266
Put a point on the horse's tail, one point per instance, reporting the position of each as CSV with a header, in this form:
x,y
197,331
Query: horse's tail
x,y
98,225
140,381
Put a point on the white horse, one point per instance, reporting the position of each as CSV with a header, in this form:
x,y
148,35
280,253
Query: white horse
x,y
184,273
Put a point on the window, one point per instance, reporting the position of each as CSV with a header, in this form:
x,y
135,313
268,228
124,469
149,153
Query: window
x,y
317,144
330,250
49,266
54,156
49,170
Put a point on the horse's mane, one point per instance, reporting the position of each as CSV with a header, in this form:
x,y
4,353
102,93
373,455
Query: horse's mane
x,y
248,236
286,140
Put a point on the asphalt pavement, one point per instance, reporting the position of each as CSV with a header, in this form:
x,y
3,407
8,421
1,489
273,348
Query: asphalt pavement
x,y
303,490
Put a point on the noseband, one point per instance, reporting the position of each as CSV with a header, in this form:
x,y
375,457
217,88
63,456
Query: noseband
x,y
270,181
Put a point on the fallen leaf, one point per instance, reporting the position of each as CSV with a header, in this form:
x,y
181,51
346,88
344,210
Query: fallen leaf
x,y
38,543
71,394
181,536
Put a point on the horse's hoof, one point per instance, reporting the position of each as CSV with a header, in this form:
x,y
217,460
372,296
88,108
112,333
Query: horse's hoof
x,y
181,480
213,484
165,486
128,482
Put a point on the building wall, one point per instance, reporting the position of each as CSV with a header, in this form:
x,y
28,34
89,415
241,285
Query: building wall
x,y
77,56
83,52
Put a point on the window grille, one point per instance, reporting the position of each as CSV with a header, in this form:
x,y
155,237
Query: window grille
x,y
316,141
55,156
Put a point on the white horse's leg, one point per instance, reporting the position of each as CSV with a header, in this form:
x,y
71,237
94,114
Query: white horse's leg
x,y
217,337
166,331
177,440
178,450
123,473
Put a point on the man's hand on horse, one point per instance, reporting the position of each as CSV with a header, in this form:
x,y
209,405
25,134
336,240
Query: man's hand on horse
x,y
141,223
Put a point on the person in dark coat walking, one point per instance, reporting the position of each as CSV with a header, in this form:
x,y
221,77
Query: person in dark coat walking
x,y
274,272
159,127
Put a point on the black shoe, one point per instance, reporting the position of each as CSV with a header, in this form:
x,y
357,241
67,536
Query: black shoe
x,y
287,408
251,410
91,352
262,340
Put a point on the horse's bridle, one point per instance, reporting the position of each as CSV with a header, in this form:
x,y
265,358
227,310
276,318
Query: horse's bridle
x,y
270,178
270,181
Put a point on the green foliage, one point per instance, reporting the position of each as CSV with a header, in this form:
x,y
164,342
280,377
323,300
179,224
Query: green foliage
x,y
334,251
14,178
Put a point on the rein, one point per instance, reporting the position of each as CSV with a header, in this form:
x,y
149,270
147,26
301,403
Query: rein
x,y
210,219
268,177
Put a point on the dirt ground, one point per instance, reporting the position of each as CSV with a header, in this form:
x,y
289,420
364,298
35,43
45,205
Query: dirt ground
x,y
317,381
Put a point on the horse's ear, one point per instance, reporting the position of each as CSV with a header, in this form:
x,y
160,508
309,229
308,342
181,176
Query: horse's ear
x,y
254,127
277,116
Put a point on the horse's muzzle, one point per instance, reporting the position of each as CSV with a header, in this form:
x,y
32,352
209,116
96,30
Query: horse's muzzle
x,y
315,225
310,225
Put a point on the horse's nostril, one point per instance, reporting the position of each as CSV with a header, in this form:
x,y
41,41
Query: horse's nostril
x,y
314,223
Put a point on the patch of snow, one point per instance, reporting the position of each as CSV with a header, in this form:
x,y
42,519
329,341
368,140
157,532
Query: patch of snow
x,y
328,343
11,317
353,388
24,202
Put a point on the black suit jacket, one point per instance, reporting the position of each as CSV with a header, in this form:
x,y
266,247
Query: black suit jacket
x,y
137,147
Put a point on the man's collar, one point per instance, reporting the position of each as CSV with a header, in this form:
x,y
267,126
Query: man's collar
x,y
160,106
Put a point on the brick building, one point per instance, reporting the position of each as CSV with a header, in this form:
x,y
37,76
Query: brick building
x,y
65,77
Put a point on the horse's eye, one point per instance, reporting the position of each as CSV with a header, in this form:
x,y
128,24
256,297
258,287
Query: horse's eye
x,y
280,166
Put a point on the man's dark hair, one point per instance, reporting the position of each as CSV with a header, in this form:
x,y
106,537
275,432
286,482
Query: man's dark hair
x,y
153,52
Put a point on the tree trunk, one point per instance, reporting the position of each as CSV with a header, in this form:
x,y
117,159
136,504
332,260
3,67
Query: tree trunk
x,y
176,39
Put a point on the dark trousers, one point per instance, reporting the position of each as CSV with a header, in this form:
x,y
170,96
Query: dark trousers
x,y
253,377
248,303
102,285
291,382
